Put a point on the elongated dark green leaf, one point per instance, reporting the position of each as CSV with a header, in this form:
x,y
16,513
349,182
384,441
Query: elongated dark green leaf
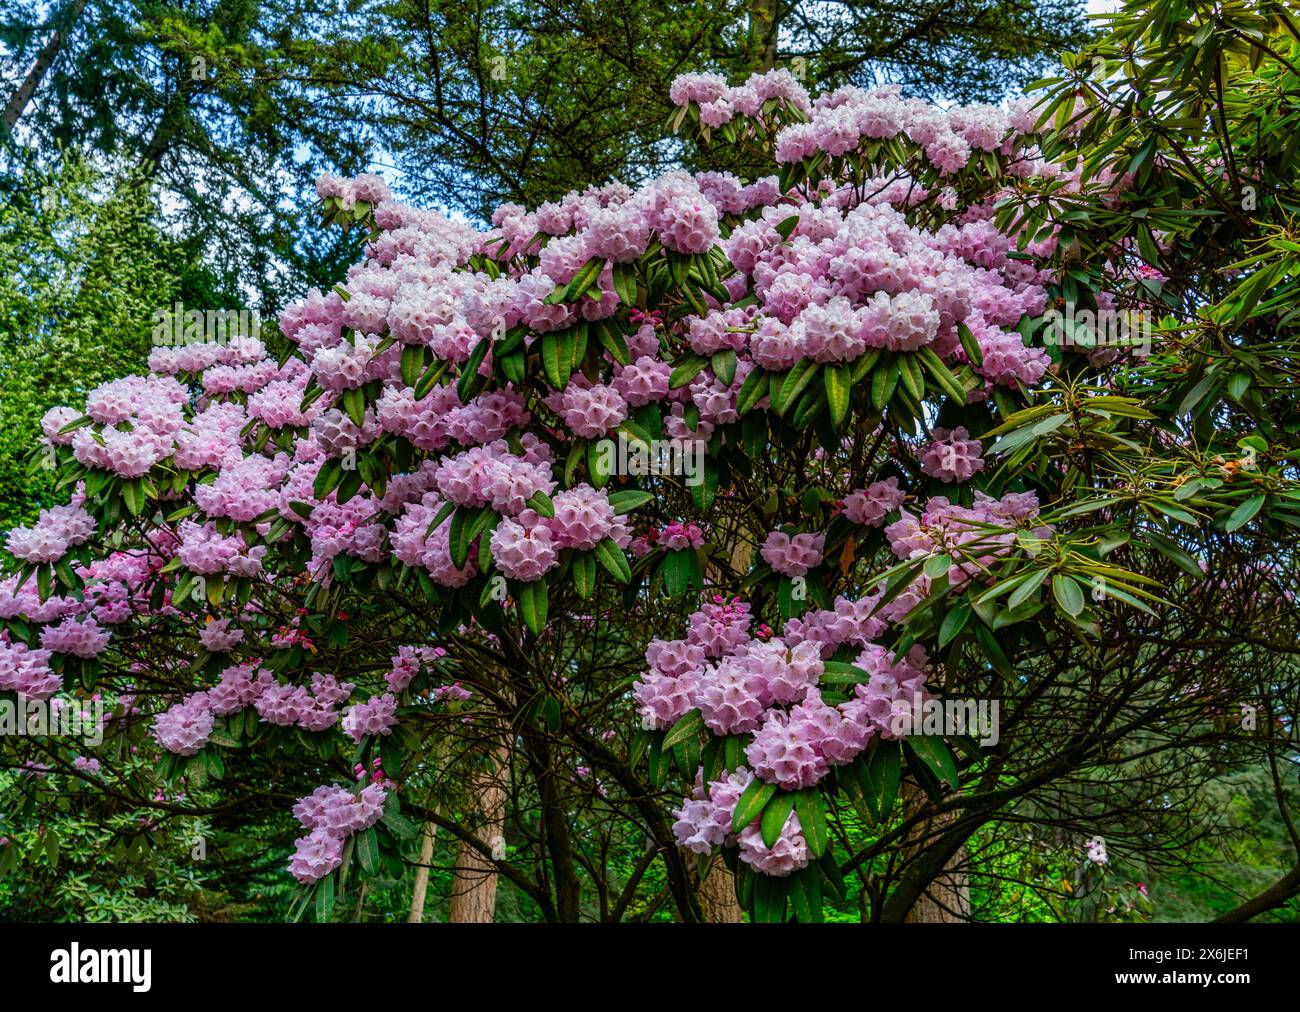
x,y
886,770
775,815
753,390
686,370
836,380
614,561
842,673
584,574
532,604
953,623
325,899
1027,589
805,893
1244,513
934,752
769,899
368,851
1069,596
625,501
751,804
812,820
970,345
689,726
412,363
677,572
796,381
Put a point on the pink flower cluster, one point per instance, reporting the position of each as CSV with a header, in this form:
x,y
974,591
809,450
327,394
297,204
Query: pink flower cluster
x,y
944,527
793,556
376,716
704,820
952,457
407,663
55,531
869,506
185,727
26,671
330,815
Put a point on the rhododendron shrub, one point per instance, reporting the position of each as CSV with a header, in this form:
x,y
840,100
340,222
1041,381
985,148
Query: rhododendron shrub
x,y
407,533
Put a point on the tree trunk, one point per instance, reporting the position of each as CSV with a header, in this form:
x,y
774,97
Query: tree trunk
x,y
416,916
474,887
63,25
946,898
718,902
764,27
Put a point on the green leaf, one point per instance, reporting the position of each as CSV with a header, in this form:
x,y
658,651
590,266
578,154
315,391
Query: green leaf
x,y
1238,384
842,673
769,899
368,851
812,820
133,496
911,376
953,623
412,363
435,372
885,768
614,561
677,572
325,899
686,370
796,381
989,645
462,523
354,403
327,478
804,889
557,357
753,390
1243,514
935,753
752,802
542,505
937,566
942,375
584,574
532,606
1027,589
836,380
704,491
970,345
724,366
775,815
600,466
1068,594
624,502
1196,394
625,283
883,383
689,726
1174,553
469,371
402,827
612,340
